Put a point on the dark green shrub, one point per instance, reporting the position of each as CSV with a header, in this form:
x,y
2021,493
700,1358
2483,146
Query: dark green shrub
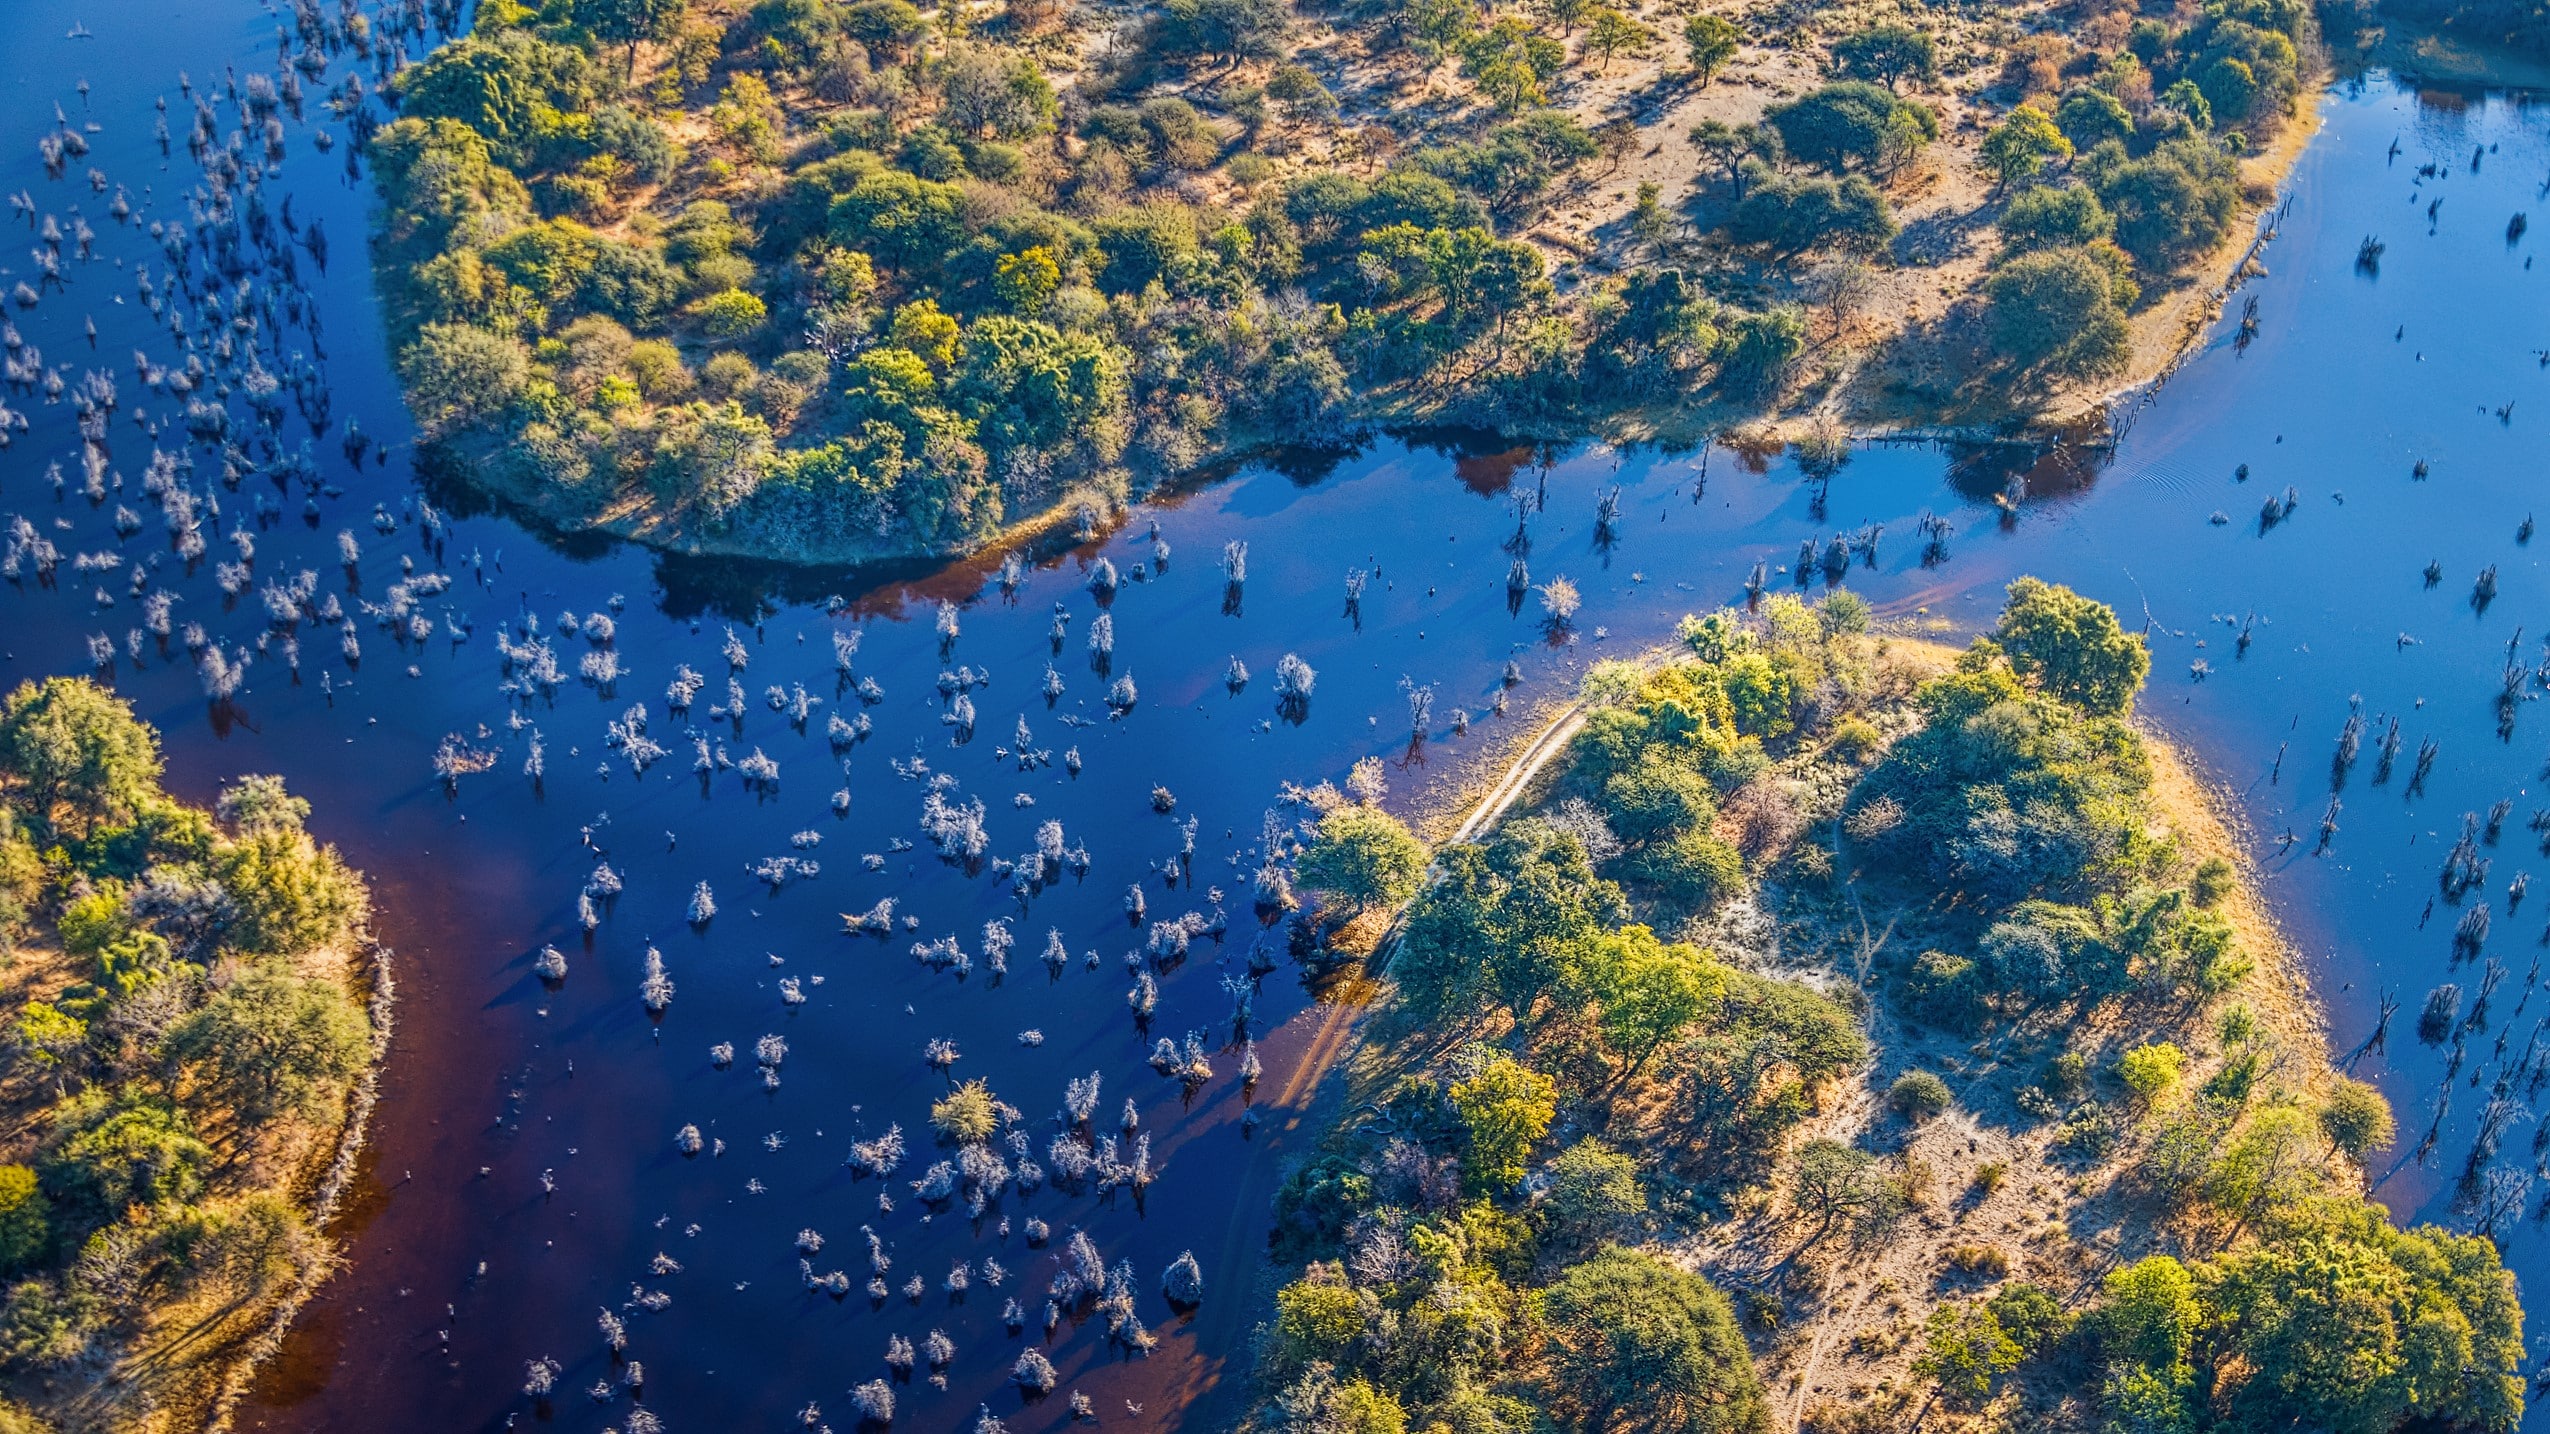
x,y
1694,869
1918,1096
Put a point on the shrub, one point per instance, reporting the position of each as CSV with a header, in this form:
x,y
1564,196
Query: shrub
x,y
2214,880
1946,990
2356,1119
1594,1193
1364,857
26,1229
1695,869
2056,311
1658,799
732,313
966,1115
2151,1071
1987,1261
1636,1343
1919,1096
2056,217
1854,739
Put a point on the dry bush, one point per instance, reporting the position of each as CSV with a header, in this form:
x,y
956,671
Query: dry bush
x,y
1760,820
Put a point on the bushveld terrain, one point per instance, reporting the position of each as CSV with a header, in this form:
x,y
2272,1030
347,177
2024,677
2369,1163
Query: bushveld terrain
x,y
826,279
1850,1031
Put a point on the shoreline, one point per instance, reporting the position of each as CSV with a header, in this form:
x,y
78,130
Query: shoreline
x,y
336,1178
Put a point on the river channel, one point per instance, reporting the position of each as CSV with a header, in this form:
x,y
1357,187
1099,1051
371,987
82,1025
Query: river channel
x,y
524,1173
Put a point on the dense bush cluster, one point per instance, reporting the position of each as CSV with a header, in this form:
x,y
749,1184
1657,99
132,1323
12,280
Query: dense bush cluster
x,y
2332,1319
2131,174
2024,796
1463,1268
830,277
195,1023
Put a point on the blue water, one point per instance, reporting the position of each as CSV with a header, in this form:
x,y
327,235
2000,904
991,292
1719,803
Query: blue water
x,y
462,1267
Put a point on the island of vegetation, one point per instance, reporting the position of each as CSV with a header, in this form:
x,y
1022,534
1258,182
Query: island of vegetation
x,y
836,279
1853,1034
189,1009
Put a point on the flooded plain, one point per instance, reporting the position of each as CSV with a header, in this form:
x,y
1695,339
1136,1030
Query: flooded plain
x,y
528,1170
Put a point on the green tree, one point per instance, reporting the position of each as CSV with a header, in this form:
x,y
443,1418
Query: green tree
x,y
2356,1119
272,1044
1364,857
1027,280
1965,1349
630,22
908,223
2342,1323
2174,204
1831,1182
2090,117
83,758
260,804
1728,146
1756,351
2230,87
1232,30
1476,272
920,328
1565,14
1511,63
2269,1165
2055,312
2071,647
732,314
1609,33
2151,1071
1792,215
1649,993
2019,148
1888,54
1030,386
457,377
1710,41
990,94
1853,121
1594,1193
1504,1111
110,1158
289,893
2148,1313
1635,1344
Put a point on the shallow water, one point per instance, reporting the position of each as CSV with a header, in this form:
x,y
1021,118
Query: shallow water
x,y
463,1268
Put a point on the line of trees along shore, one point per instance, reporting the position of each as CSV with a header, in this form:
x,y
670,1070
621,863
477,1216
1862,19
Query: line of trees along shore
x,y
182,995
